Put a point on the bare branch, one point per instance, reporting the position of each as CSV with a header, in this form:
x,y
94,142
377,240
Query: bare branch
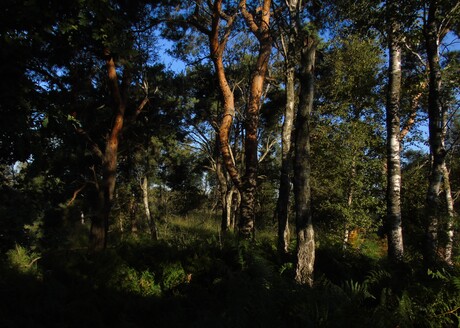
x,y
75,193
445,24
268,148
416,54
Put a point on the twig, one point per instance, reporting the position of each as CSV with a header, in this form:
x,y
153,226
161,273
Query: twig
x,y
449,312
33,261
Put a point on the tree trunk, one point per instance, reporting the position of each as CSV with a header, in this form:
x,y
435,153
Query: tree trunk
x,y
249,186
282,206
351,192
223,188
132,215
217,47
436,138
233,204
302,167
393,222
100,224
450,217
148,215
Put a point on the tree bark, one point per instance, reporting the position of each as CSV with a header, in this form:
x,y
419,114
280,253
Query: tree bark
x,y
436,138
302,167
351,192
217,47
148,215
282,206
223,189
100,223
393,222
450,217
249,186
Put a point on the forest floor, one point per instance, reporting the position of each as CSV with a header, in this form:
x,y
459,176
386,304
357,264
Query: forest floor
x,y
190,277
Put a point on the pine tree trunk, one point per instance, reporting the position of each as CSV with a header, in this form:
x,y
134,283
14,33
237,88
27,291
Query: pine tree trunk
x,y
302,168
393,222
100,224
249,185
223,189
216,48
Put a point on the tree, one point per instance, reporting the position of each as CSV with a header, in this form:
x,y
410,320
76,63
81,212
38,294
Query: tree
x,y
348,138
435,29
260,27
84,94
216,21
302,163
393,221
288,33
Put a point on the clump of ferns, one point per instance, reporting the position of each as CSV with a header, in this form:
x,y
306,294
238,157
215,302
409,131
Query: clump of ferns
x,y
443,299
350,300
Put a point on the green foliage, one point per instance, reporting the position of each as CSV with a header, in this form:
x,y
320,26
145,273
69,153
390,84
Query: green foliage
x,y
202,282
126,279
173,276
23,260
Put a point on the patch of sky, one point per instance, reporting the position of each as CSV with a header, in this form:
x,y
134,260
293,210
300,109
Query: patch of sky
x,y
164,49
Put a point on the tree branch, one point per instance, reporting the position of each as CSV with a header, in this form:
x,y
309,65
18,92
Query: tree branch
x,y
75,194
248,17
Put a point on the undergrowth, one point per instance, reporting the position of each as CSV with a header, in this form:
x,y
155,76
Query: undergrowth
x,y
192,277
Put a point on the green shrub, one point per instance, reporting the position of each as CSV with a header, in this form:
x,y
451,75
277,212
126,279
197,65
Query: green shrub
x,y
173,276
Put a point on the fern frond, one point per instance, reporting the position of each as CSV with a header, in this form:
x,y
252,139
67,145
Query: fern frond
x,y
376,276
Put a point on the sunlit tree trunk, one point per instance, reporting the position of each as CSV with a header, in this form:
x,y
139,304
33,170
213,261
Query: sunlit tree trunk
x,y
302,167
393,221
248,189
100,223
450,217
217,44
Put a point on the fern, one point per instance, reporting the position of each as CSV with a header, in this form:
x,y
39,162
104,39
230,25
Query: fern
x,y
456,283
376,277
357,291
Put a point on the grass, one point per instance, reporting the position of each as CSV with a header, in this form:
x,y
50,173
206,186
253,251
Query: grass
x,y
193,278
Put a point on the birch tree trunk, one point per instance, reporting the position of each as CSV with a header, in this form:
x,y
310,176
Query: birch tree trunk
x,y
351,192
148,215
450,217
393,222
302,167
